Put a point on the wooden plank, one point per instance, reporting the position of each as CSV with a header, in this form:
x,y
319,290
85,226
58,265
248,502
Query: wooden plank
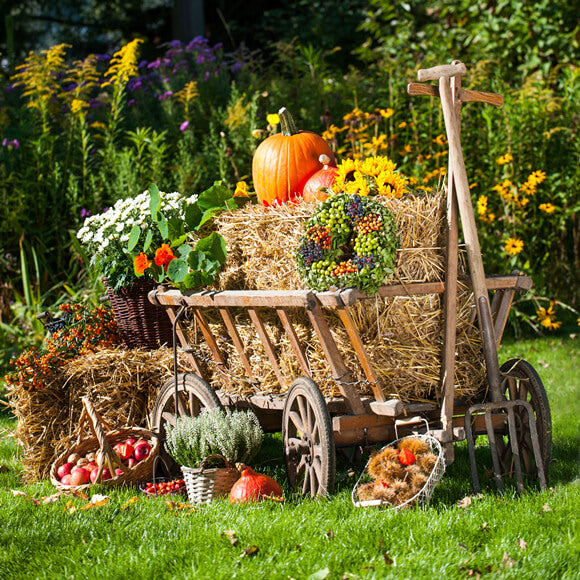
x,y
239,345
501,313
267,344
364,435
465,95
350,422
390,408
294,342
361,353
212,344
340,372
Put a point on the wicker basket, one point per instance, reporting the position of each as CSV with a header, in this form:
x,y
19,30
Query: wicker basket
x,y
142,471
141,323
204,484
424,495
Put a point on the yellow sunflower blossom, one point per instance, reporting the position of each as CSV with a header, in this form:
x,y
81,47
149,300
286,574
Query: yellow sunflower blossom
x,y
374,166
345,173
547,318
547,207
513,246
390,184
504,159
402,124
440,140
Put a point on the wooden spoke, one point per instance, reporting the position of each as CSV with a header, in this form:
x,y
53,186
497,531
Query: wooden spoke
x,y
308,439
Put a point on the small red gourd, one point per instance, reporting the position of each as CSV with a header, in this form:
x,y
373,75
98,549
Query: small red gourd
x,y
406,457
322,179
282,163
253,486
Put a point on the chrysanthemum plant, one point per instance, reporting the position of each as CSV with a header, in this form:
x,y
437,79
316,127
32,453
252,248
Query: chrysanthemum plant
x,y
183,259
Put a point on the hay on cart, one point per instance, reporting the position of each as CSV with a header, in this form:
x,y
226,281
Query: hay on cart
x,y
403,335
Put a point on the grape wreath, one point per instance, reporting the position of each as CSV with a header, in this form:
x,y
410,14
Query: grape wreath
x,y
350,242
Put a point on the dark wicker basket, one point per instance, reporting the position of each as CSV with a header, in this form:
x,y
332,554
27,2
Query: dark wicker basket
x,y
141,323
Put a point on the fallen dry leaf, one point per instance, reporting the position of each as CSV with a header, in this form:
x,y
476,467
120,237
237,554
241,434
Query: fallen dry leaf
x,y
178,506
70,508
251,551
330,534
51,498
97,503
130,502
231,536
4,468
522,544
17,492
507,561
388,560
468,500
546,508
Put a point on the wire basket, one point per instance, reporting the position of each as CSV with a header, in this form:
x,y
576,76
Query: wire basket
x,y
423,496
105,441
156,479
205,484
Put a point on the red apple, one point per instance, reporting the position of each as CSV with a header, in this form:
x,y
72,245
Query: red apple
x,y
65,479
79,476
124,450
65,469
131,462
119,471
131,441
142,450
105,475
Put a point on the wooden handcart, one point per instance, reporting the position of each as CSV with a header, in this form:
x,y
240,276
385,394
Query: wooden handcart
x,y
514,413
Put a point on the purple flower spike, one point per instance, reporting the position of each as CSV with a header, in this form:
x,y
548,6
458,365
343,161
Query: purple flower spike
x,y
85,212
184,126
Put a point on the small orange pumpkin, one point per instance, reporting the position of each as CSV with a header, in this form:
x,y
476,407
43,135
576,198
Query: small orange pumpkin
x,y
283,162
322,179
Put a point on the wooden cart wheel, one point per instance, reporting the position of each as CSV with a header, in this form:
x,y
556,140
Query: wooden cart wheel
x,y
194,395
308,439
521,381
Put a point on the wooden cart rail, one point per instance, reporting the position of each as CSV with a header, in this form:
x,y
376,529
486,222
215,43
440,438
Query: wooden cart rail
x,y
314,302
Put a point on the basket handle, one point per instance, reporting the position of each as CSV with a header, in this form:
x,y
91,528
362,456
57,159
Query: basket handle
x,y
214,456
109,456
410,421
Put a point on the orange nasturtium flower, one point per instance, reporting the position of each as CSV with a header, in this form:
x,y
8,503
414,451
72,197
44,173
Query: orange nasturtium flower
x,y
164,255
142,262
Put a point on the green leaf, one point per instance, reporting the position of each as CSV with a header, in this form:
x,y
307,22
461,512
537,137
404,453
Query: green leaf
x,y
148,239
133,238
193,279
196,259
214,197
193,216
175,229
163,228
154,200
214,245
183,250
177,270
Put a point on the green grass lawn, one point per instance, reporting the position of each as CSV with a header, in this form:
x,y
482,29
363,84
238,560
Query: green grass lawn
x,y
535,535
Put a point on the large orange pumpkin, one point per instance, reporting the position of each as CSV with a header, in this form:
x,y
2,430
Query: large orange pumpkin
x,y
283,162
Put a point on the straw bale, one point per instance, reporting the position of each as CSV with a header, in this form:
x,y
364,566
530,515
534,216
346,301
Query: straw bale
x,y
262,242
122,383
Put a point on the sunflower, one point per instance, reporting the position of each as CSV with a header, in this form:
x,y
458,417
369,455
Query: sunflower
x,y
547,318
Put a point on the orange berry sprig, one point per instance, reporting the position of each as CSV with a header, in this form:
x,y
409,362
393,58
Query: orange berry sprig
x,y
368,224
344,268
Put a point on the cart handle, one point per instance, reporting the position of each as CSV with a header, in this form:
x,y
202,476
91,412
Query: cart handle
x,y
411,421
